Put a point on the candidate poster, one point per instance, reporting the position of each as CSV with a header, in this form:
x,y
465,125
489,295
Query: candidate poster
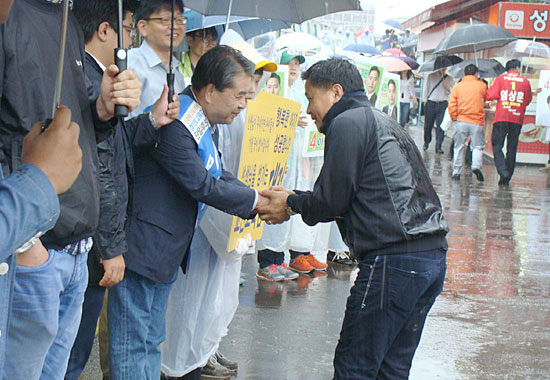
x,y
277,83
271,122
371,72
388,95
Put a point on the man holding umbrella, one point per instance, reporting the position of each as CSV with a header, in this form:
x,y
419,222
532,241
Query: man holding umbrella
x,y
437,89
49,290
513,93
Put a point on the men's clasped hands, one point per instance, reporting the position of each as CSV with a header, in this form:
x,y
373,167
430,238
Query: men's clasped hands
x,y
272,206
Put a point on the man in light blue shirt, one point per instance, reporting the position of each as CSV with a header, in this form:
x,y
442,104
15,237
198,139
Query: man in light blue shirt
x,y
151,60
28,201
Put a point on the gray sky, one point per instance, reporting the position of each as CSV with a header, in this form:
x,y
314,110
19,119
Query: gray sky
x,y
400,8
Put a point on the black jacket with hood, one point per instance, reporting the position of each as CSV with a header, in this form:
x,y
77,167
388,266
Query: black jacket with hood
x,y
29,49
373,183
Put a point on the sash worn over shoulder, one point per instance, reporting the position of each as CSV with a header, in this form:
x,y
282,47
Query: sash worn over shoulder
x,y
193,118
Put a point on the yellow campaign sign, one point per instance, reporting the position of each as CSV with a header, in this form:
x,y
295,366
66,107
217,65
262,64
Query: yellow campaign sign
x,y
271,122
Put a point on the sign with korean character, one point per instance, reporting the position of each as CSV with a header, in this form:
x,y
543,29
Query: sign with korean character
x,y
525,19
271,122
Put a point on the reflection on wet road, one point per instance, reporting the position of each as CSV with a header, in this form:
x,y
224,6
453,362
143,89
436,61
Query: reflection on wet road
x,y
492,320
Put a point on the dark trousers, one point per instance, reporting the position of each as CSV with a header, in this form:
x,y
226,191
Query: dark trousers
x,y
82,347
404,109
267,257
385,315
434,113
509,131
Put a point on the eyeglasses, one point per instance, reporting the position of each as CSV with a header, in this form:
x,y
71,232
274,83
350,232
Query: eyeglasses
x,y
207,41
129,28
166,21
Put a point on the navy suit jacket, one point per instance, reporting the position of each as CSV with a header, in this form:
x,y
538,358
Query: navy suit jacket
x,y
170,179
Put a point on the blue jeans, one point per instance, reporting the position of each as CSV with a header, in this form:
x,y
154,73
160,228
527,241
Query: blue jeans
x,y
385,315
136,314
80,353
45,315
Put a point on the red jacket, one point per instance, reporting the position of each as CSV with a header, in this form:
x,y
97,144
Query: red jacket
x,y
513,92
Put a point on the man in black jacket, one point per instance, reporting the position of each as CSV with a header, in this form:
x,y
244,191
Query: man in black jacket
x,y
374,184
98,19
48,292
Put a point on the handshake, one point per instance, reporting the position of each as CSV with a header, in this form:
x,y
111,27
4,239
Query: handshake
x,y
271,206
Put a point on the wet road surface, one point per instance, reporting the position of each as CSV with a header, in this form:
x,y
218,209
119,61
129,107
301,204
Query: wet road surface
x,y
492,320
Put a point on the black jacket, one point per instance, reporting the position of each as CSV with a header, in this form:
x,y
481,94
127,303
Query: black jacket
x,y
116,169
29,49
374,183
170,180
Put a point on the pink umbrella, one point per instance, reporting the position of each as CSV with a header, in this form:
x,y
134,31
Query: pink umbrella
x,y
393,64
393,51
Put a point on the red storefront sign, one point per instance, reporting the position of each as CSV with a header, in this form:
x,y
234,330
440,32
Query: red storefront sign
x,y
524,20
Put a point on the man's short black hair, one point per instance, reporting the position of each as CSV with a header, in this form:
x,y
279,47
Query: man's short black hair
x,y
471,69
375,68
219,66
325,73
92,13
391,81
207,32
512,64
148,7
276,76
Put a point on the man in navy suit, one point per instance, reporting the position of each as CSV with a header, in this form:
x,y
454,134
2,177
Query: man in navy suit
x,y
183,169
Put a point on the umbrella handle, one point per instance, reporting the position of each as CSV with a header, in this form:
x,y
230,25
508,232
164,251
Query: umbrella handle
x,y
170,81
121,60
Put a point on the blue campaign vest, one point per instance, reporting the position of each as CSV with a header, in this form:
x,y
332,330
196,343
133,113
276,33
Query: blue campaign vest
x,y
193,118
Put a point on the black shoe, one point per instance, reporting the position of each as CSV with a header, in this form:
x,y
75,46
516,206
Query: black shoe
x,y
342,258
479,175
214,370
425,147
456,177
229,364
439,151
504,181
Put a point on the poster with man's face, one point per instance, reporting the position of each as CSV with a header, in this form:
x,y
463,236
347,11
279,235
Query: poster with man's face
x,y
388,95
277,83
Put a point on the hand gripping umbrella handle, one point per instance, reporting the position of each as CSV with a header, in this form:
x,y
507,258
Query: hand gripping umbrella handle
x,y
122,63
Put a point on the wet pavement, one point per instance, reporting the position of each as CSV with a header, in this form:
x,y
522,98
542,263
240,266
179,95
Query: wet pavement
x,y
492,320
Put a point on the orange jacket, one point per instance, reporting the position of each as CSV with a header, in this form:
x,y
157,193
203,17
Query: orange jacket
x,y
466,101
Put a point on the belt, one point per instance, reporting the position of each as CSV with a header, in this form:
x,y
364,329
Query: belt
x,y
433,101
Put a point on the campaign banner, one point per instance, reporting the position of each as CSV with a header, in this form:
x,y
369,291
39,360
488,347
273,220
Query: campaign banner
x,y
371,72
271,122
314,142
388,95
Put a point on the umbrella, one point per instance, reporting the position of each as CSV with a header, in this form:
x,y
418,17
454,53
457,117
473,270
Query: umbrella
x,y
408,60
120,58
439,63
305,43
171,77
247,27
526,48
296,11
393,51
393,64
488,68
393,23
60,63
473,38
363,48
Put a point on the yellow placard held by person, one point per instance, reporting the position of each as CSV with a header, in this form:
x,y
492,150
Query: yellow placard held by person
x,y
269,130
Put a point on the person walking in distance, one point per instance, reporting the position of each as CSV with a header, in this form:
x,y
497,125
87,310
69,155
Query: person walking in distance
x,y
513,93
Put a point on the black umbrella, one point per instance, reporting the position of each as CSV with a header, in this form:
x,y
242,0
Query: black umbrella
x,y
121,58
488,68
440,62
60,64
473,38
170,77
408,60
